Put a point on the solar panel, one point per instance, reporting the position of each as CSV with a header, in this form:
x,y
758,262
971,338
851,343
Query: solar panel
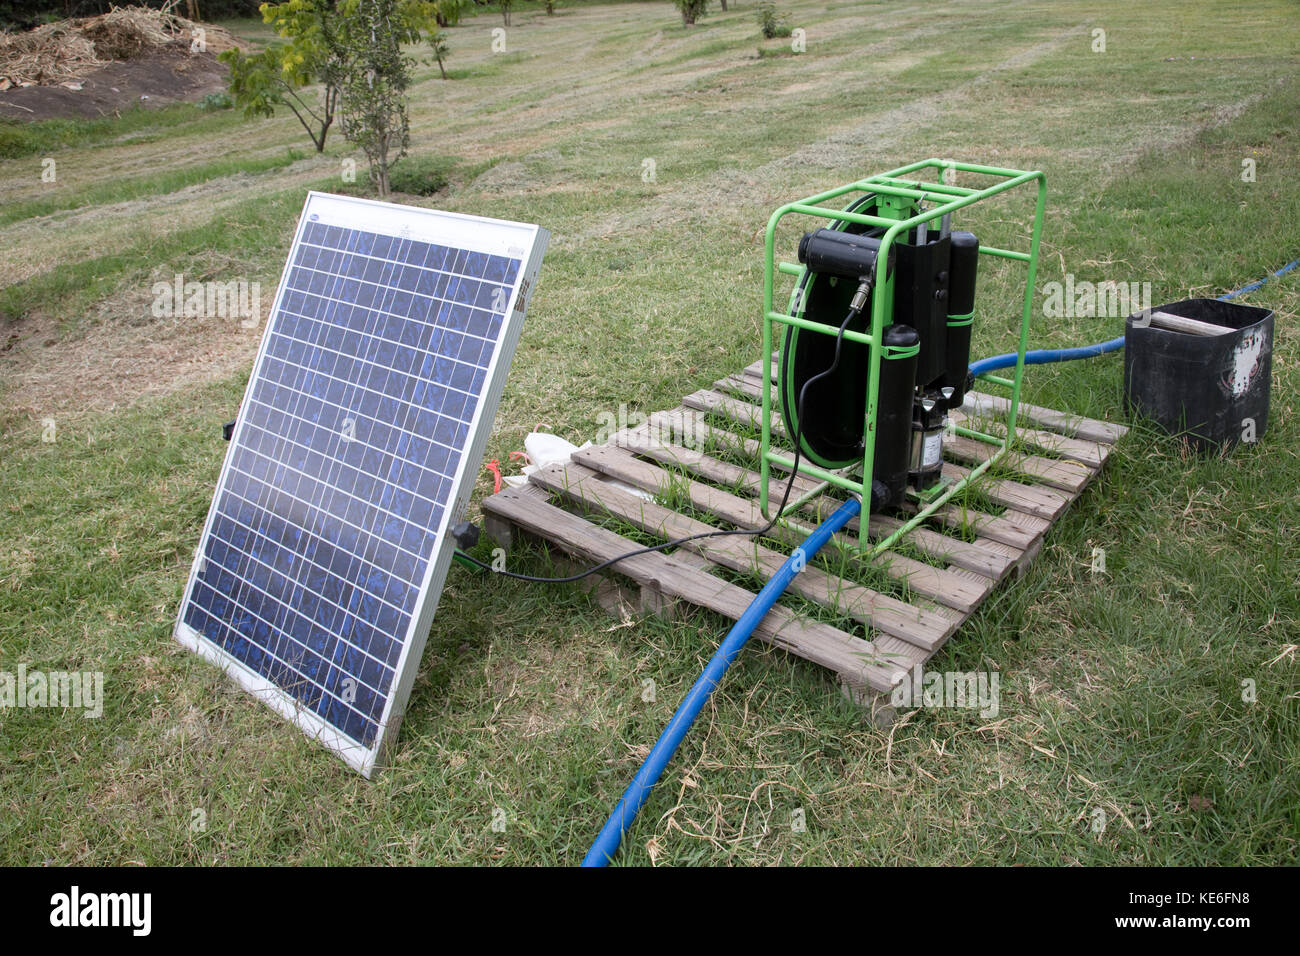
x,y
366,416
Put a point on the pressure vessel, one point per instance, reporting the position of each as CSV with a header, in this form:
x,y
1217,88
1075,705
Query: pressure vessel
x,y
894,416
963,263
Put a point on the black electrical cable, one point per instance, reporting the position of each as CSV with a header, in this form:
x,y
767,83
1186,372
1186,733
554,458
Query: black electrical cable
x,y
859,301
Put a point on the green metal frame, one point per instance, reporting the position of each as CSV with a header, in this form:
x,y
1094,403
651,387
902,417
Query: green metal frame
x,y
947,199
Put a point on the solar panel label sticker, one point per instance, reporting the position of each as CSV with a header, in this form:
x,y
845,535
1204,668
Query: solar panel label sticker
x,y
361,432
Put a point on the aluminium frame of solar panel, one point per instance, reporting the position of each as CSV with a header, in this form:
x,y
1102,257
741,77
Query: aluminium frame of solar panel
x,y
479,240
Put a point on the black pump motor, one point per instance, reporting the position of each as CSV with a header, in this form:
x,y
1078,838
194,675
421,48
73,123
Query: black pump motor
x,y
933,275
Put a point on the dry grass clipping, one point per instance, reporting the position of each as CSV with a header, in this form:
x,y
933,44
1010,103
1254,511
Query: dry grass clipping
x,y
65,51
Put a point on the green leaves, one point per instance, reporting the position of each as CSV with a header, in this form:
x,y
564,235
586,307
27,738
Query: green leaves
x,y
373,95
691,10
352,50
308,56
255,83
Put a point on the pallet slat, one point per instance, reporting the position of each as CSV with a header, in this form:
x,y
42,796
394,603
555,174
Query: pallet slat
x,y
857,660
982,556
1073,426
925,579
886,614
1089,453
690,424
1068,476
698,455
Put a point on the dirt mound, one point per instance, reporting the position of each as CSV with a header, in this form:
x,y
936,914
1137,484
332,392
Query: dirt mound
x,y
63,53
48,54
168,76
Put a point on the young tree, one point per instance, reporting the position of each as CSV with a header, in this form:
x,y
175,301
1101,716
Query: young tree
x,y
438,44
325,43
278,75
771,22
691,10
373,98
505,10
430,17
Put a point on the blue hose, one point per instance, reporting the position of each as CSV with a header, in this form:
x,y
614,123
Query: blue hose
x,y
1255,285
620,821
1044,356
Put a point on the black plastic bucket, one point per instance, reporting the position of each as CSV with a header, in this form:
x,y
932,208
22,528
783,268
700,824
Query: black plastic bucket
x,y
1211,389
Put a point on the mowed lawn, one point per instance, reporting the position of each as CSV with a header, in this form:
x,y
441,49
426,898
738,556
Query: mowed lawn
x,y
1148,714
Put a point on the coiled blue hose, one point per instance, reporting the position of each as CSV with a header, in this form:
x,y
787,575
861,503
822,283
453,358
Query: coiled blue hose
x,y
1044,356
638,791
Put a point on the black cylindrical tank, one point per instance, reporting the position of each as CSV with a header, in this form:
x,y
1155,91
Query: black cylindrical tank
x,y
921,301
894,417
963,264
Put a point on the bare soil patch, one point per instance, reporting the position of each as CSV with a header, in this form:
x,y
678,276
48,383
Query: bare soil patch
x,y
169,75
116,364
96,66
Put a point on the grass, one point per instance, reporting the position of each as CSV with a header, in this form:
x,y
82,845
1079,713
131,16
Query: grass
x,y
138,124
125,190
1162,693
68,289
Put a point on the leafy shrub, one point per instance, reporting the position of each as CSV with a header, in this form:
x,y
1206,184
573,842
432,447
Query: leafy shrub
x,y
216,101
422,175
773,23
691,10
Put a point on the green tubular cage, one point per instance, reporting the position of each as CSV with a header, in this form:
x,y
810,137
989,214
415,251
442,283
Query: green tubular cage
x,y
946,199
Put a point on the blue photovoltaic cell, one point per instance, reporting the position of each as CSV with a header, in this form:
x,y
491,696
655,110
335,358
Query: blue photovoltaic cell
x,y
350,437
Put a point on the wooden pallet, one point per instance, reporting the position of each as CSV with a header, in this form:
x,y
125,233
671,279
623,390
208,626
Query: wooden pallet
x,y
701,453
